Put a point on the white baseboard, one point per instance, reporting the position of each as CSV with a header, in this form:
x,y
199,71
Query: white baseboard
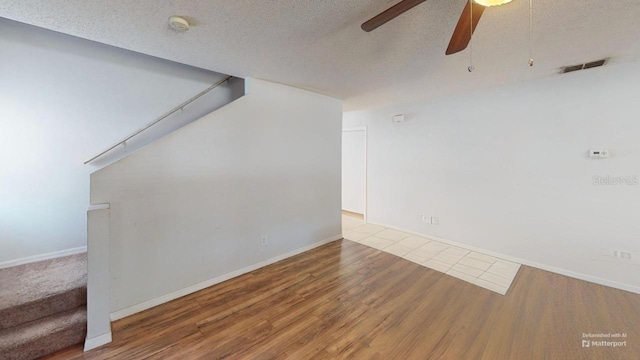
x,y
553,269
117,315
41,257
97,341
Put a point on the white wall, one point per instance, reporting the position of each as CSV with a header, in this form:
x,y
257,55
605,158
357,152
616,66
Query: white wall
x,y
194,205
99,277
354,160
506,170
63,100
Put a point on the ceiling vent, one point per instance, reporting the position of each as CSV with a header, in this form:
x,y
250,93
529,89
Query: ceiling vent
x,y
589,65
595,64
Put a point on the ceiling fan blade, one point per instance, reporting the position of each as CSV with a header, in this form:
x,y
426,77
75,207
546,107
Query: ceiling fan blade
x,y
462,33
389,14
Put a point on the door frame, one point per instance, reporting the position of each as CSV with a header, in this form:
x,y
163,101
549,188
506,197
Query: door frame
x,y
366,171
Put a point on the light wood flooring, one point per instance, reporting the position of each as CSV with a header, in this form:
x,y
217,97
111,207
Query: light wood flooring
x,y
346,300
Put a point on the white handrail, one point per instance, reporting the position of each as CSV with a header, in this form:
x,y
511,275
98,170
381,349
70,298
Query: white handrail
x,y
161,118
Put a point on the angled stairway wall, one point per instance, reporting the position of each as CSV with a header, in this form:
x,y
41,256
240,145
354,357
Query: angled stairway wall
x,y
193,208
220,96
63,100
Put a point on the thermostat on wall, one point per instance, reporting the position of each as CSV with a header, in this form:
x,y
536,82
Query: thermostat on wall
x,y
599,153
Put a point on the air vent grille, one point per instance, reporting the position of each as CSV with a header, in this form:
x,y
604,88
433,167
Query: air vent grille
x,y
589,65
567,69
595,64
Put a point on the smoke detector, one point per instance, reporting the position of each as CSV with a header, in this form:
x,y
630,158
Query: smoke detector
x,y
397,118
178,23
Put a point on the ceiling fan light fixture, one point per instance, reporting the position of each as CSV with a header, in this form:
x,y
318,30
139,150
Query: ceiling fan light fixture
x,y
491,2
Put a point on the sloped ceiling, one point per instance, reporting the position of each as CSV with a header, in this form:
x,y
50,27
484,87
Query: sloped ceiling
x,y
318,45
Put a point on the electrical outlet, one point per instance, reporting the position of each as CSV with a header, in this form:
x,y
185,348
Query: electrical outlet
x,y
426,219
434,221
619,256
264,240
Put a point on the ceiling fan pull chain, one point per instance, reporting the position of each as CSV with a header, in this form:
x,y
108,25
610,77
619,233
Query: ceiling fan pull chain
x,y
530,32
471,67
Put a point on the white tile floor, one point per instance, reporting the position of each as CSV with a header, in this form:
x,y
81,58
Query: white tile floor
x,y
479,269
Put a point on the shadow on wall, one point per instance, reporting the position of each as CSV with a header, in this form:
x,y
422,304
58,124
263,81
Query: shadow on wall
x,y
217,98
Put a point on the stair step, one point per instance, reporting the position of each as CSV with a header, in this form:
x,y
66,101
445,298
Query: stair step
x,y
37,290
44,336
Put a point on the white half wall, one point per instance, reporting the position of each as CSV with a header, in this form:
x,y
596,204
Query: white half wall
x,y
196,204
98,281
506,170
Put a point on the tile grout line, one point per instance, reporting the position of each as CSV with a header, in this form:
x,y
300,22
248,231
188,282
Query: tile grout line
x,y
450,266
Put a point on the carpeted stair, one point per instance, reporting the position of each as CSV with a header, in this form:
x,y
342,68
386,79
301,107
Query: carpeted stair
x,y
43,307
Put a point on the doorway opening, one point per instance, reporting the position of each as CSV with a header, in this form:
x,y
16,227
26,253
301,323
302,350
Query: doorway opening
x,y
354,172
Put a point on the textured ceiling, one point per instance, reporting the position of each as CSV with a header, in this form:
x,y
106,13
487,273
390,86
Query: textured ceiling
x,y
318,44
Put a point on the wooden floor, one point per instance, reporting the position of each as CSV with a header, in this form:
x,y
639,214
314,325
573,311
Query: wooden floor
x,y
345,300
